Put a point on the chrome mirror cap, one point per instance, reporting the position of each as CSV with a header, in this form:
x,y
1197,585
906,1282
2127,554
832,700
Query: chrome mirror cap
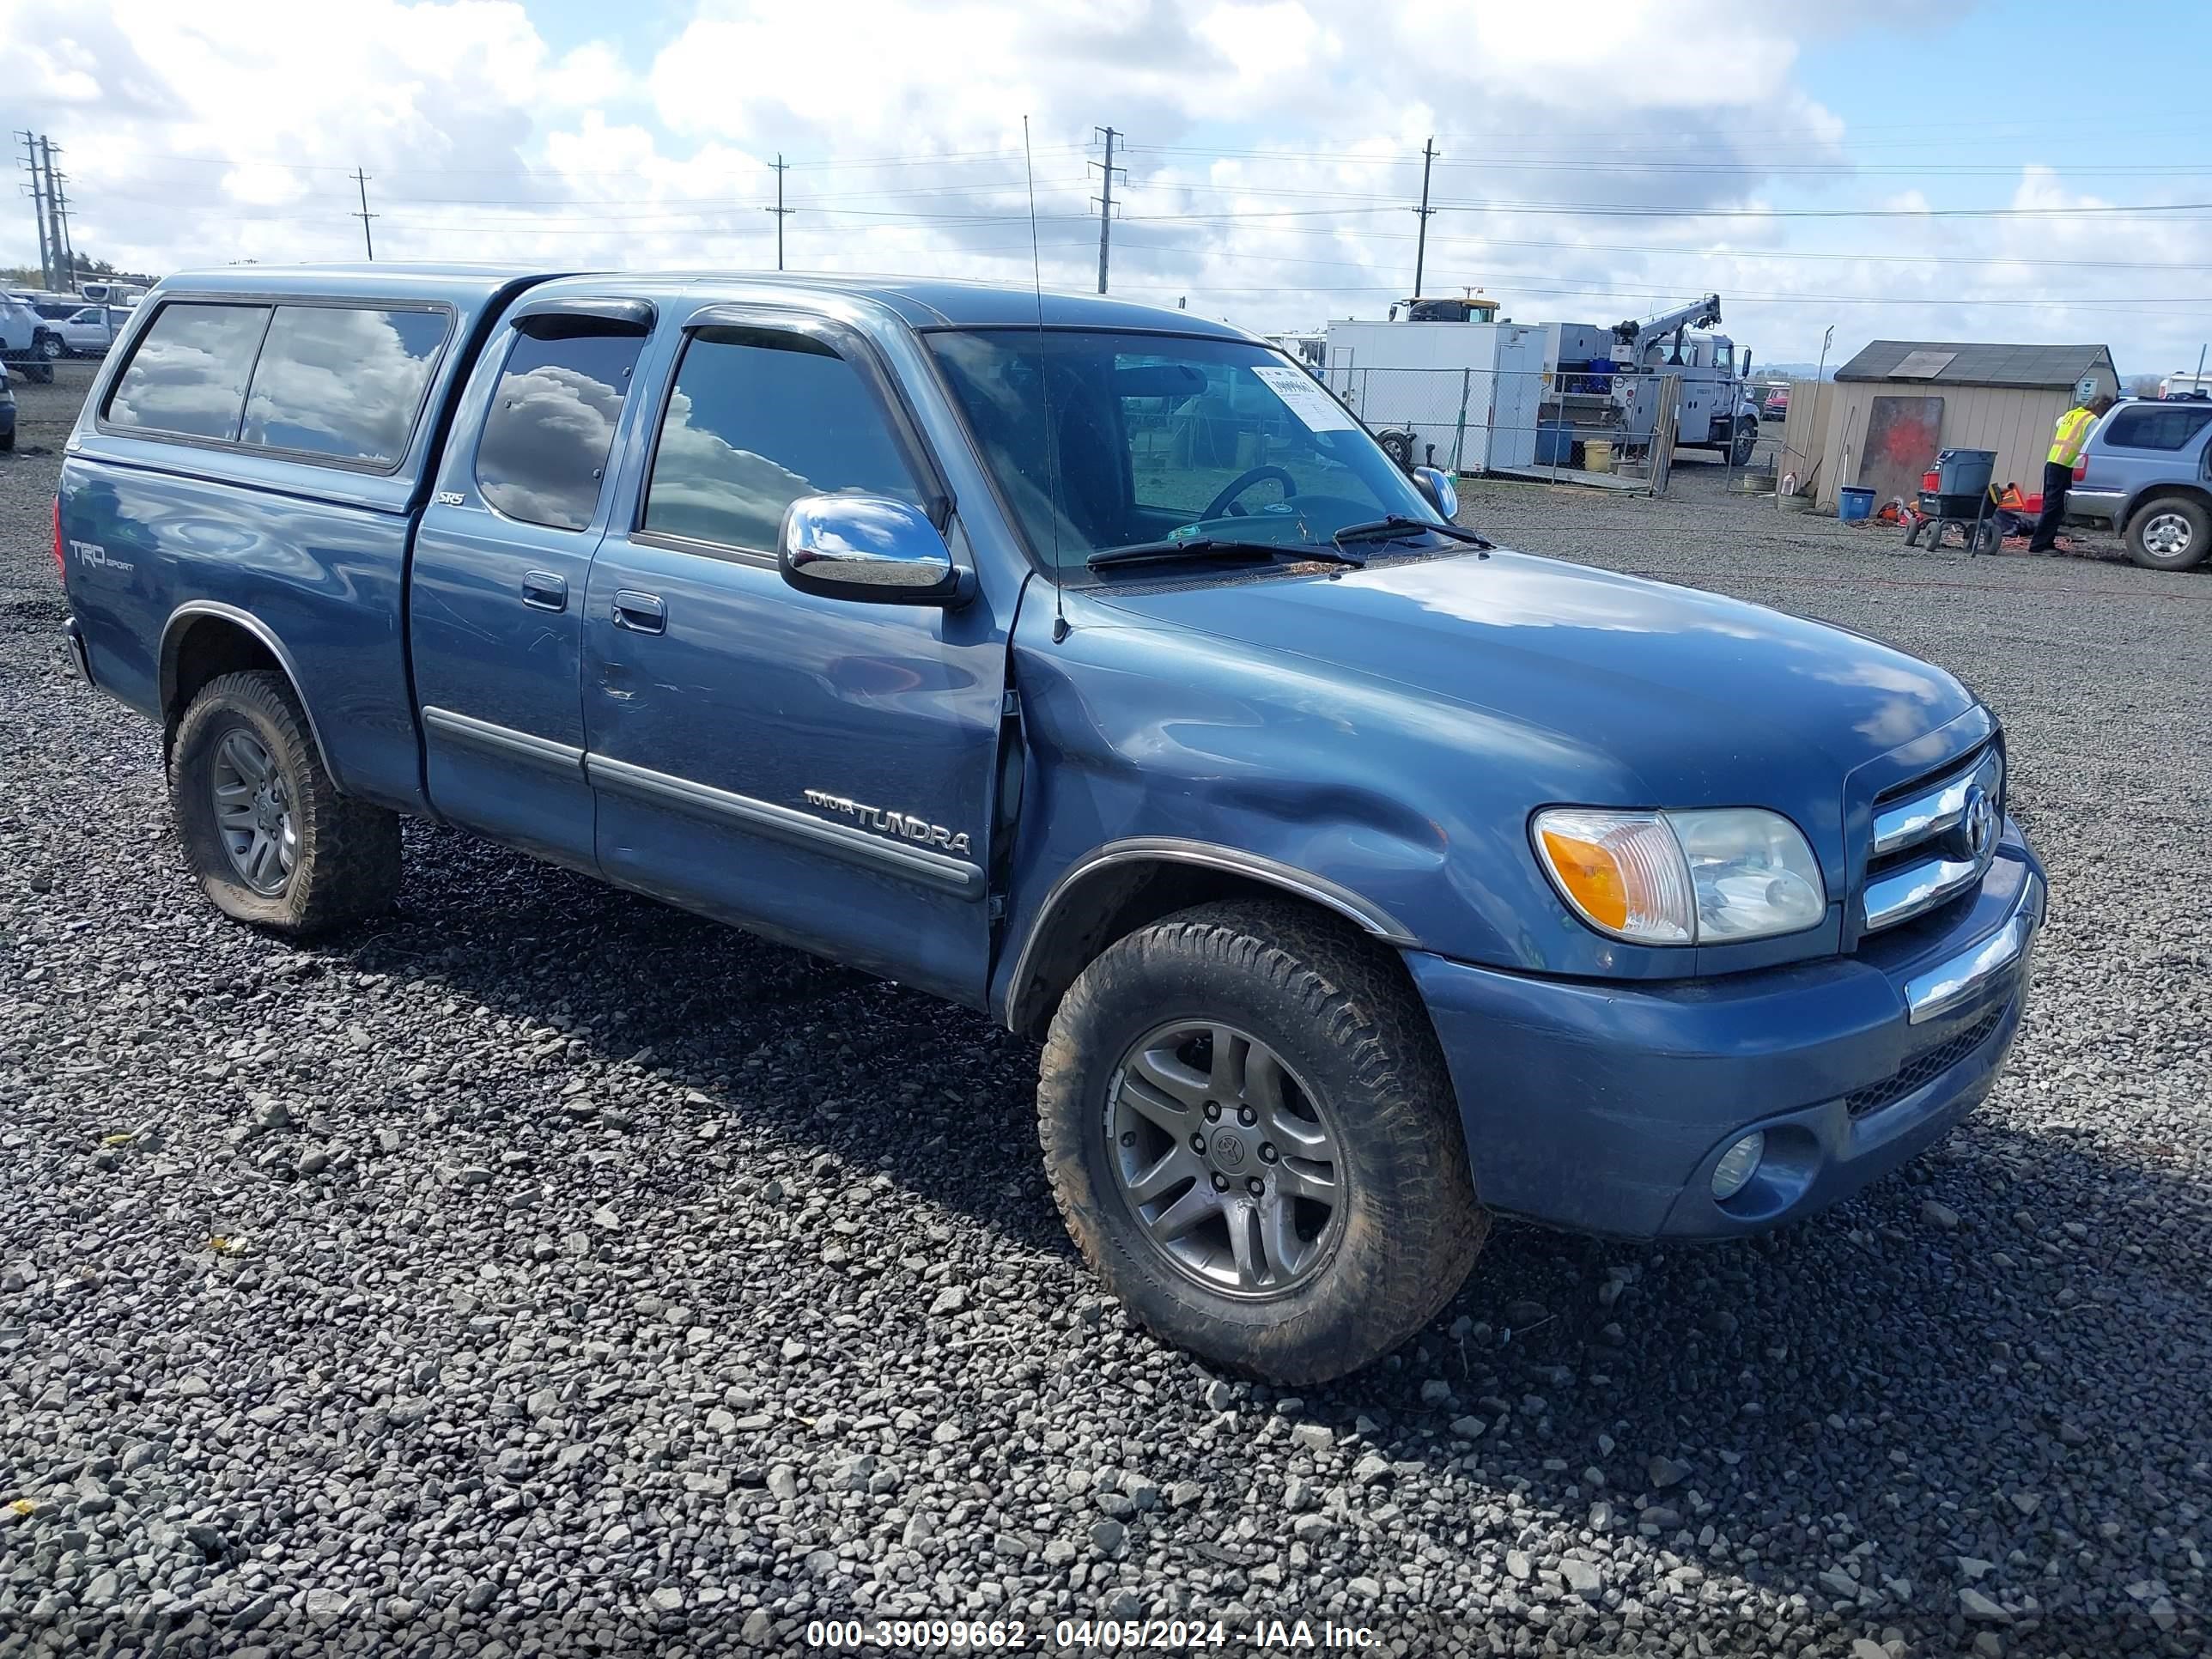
x,y
1436,485
870,547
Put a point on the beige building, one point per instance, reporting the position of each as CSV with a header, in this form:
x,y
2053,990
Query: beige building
x,y
1881,420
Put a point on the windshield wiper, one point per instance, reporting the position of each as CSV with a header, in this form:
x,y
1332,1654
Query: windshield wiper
x,y
1399,527
1218,547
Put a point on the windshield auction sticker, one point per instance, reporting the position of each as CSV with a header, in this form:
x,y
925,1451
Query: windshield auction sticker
x,y
1306,399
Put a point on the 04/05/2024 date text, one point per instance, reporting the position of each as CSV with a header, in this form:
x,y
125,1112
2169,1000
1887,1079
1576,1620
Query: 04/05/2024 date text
x,y
1082,1635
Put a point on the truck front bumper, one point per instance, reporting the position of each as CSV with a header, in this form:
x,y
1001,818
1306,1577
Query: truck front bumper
x,y
1605,1107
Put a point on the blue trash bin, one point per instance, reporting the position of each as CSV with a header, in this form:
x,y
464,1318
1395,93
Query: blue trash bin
x,y
1853,503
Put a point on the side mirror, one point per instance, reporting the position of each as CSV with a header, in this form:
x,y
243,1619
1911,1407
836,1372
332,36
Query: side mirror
x,y
870,548
1436,487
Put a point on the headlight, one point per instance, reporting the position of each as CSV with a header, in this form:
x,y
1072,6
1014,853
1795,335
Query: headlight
x,y
1705,878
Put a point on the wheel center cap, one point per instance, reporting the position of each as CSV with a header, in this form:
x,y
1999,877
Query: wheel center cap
x,y
1229,1151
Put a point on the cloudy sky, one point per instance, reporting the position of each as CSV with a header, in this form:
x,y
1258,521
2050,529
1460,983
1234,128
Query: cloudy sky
x,y
1856,164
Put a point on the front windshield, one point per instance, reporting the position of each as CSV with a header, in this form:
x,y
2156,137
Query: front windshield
x,y
1162,438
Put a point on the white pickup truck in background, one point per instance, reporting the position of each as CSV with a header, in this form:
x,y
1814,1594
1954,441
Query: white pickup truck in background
x,y
89,331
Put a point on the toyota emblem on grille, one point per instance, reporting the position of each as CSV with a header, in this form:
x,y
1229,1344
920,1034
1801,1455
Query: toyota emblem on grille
x,y
1980,824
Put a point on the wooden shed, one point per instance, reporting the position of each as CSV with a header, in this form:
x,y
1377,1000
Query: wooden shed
x,y
1896,403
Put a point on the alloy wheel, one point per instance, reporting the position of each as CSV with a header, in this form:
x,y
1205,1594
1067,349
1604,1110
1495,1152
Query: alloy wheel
x,y
1231,1168
2167,535
253,812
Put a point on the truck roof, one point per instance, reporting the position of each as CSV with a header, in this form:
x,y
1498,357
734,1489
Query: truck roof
x,y
919,301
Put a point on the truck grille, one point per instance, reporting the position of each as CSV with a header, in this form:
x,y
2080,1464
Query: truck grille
x,y
1933,840
1923,1068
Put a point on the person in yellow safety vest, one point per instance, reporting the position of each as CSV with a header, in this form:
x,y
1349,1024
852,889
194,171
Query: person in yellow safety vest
x,y
2068,441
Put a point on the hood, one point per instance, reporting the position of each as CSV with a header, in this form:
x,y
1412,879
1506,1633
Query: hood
x,y
1702,699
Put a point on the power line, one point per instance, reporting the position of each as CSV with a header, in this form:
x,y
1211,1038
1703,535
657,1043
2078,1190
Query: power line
x,y
1752,164
911,159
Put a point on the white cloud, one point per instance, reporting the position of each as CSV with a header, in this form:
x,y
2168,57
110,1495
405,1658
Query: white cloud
x,y
203,135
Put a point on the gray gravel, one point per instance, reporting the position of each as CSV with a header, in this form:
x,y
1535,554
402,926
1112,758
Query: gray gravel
x,y
542,1271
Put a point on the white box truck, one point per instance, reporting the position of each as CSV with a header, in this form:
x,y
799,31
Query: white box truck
x,y
1464,396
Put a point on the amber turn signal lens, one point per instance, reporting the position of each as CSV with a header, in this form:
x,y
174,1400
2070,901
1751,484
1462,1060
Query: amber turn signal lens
x,y
1623,873
1592,877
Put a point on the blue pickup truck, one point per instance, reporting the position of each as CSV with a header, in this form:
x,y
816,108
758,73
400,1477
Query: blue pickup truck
x,y
1089,665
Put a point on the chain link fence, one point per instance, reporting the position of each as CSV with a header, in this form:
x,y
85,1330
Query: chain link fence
x,y
1607,430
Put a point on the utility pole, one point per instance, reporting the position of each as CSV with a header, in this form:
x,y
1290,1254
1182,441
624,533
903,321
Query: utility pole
x,y
1107,170
1421,245
361,183
60,198
781,211
57,220
37,191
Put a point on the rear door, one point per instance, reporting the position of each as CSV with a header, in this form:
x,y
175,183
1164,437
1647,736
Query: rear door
x,y
2149,444
817,770
495,602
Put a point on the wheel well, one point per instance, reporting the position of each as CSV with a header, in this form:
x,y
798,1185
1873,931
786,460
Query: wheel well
x,y
2157,493
206,648
1113,900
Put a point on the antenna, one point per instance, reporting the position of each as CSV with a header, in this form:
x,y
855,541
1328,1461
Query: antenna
x,y
1044,387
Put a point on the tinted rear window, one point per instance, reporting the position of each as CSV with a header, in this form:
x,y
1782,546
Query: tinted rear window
x,y
189,374
343,381
2158,426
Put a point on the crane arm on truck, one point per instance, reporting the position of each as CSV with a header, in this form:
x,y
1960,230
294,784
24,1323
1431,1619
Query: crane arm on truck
x,y
1702,314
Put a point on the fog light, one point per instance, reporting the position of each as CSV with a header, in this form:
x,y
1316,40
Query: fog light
x,y
1738,1164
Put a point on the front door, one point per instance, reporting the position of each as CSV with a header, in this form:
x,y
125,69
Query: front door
x,y
817,770
497,599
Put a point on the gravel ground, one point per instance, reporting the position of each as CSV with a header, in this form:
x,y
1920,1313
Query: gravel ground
x,y
542,1270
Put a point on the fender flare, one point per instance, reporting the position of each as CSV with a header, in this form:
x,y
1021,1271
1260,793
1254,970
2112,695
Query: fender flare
x,y
1368,917
172,632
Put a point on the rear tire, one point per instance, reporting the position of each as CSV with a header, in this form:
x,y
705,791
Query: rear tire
x,y
265,831
2173,532
1327,1055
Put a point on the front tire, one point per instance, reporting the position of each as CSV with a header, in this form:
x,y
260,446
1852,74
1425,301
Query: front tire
x,y
2171,533
1745,440
49,348
1252,1137
265,831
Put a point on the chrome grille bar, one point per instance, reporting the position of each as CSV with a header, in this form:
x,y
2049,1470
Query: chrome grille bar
x,y
1922,819
1906,893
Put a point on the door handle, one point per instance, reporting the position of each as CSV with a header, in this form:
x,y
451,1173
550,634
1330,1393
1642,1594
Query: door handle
x,y
642,613
545,590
